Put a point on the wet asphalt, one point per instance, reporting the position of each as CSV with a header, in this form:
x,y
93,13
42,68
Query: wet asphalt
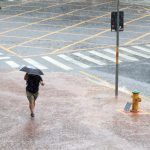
x,y
58,26
72,112
38,28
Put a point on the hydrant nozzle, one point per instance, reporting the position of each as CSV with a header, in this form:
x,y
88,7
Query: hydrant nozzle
x,y
135,101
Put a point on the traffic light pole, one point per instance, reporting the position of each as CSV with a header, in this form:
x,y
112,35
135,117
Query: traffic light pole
x,y
117,51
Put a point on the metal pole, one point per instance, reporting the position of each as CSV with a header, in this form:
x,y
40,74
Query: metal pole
x,y
117,51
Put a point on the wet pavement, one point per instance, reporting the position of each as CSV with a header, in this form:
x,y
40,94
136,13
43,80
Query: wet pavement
x,y
72,113
58,26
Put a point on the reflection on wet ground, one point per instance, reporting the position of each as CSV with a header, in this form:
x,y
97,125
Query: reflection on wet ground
x,y
89,117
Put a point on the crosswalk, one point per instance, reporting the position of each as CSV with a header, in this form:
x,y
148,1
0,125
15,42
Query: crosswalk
x,y
69,59
83,59
57,63
134,52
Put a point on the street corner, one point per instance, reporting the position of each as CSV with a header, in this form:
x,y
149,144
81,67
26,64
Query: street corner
x,y
135,108
12,81
140,112
73,83
56,83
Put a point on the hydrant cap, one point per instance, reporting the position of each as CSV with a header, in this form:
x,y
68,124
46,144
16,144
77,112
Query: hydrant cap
x,y
135,92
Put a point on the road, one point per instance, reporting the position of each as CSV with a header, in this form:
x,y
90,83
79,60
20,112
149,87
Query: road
x,y
75,36
72,43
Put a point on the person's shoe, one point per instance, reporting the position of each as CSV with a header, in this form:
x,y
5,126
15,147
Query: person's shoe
x,y
32,114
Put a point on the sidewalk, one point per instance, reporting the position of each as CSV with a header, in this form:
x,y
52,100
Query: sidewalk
x,y
72,113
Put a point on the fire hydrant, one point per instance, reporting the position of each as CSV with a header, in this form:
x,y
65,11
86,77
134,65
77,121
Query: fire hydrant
x,y
135,101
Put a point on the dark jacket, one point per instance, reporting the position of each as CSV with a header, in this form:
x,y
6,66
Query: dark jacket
x,y
33,82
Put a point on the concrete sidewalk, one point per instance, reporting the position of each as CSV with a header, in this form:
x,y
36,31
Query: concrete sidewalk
x,y
71,114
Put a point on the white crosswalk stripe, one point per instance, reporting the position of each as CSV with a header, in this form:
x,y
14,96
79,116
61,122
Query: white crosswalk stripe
x,y
142,48
89,58
102,55
67,58
35,63
57,63
74,60
2,58
12,64
148,45
133,52
121,55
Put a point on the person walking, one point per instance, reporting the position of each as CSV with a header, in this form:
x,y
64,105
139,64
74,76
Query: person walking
x,y
32,89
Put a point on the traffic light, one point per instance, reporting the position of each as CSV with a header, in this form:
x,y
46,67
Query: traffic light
x,y
114,21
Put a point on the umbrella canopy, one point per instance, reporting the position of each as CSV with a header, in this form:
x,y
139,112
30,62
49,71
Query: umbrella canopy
x,y
31,70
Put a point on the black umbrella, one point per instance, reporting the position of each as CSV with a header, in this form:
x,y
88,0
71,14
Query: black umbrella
x,y
31,70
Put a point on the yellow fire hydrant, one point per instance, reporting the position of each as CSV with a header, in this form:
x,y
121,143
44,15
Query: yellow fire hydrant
x,y
135,101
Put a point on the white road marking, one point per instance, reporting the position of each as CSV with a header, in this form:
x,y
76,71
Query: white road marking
x,y
148,45
133,52
12,64
142,48
57,63
121,55
89,58
102,56
35,63
2,58
67,58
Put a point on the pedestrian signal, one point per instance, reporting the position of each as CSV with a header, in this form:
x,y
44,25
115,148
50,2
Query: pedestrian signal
x,y
114,21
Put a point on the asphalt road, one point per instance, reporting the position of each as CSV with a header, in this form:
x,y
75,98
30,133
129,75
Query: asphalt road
x,y
72,43
66,35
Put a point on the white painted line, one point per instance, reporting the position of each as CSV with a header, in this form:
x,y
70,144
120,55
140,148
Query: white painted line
x,y
12,64
121,55
89,58
133,52
103,56
2,58
67,58
148,45
35,63
142,48
57,63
